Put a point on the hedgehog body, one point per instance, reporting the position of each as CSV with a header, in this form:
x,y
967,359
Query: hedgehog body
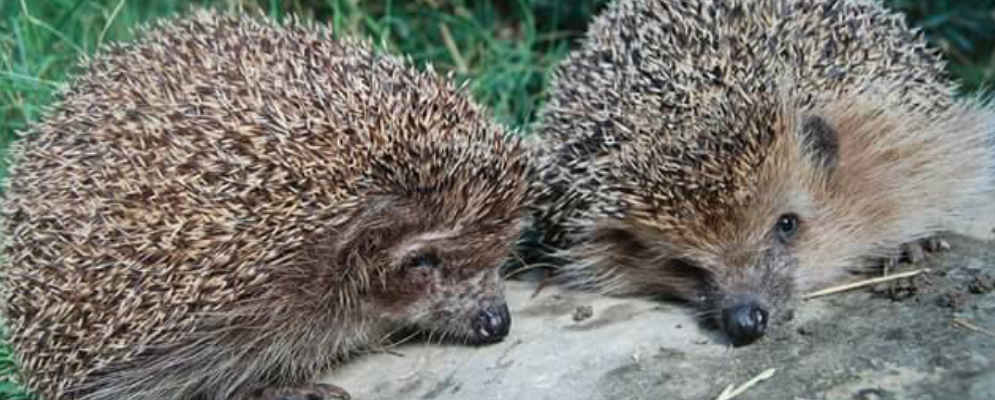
x,y
732,153
229,204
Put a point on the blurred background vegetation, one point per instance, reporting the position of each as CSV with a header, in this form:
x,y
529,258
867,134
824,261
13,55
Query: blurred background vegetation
x,y
506,49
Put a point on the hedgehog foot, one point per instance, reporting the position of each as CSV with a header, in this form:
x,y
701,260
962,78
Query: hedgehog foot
x,y
312,391
915,252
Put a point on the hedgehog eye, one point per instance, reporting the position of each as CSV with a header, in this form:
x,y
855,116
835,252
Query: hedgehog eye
x,y
425,260
786,227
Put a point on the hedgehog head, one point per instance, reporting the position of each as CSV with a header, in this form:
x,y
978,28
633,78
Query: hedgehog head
x,y
431,274
773,196
436,213
713,221
431,253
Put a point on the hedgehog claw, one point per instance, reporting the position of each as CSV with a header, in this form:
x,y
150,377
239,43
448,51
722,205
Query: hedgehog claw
x,y
314,391
915,252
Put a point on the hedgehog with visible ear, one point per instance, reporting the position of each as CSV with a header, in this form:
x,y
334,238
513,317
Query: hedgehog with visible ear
x,y
732,153
227,206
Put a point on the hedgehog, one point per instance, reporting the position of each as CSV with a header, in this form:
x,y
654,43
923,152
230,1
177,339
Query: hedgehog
x,y
230,205
732,154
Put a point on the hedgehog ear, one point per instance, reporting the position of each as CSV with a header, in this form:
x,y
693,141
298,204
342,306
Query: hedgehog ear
x,y
366,230
820,141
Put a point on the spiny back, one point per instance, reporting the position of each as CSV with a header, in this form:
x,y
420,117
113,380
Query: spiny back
x,y
181,174
682,95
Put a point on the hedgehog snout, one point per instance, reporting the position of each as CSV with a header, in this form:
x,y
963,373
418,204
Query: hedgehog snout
x,y
491,324
748,300
744,321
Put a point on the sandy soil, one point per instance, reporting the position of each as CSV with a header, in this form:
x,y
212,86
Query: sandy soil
x,y
893,341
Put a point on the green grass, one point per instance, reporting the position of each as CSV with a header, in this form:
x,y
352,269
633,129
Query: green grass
x,y
964,30
506,48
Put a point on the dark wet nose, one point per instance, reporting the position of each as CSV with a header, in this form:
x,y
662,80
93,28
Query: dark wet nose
x,y
744,323
492,324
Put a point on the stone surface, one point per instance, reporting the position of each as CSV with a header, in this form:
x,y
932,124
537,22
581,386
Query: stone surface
x,y
861,345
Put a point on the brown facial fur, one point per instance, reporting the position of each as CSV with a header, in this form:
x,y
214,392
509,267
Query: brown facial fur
x,y
229,203
680,132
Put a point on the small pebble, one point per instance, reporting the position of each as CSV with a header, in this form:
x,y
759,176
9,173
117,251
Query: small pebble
x,y
583,312
952,300
982,283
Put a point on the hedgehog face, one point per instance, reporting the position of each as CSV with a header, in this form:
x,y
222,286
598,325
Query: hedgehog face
x,y
423,271
735,251
822,201
446,283
748,284
742,282
753,258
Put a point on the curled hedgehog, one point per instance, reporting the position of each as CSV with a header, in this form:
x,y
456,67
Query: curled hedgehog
x,y
733,153
228,206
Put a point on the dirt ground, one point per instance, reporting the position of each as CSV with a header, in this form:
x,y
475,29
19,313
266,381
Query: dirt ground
x,y
927,337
